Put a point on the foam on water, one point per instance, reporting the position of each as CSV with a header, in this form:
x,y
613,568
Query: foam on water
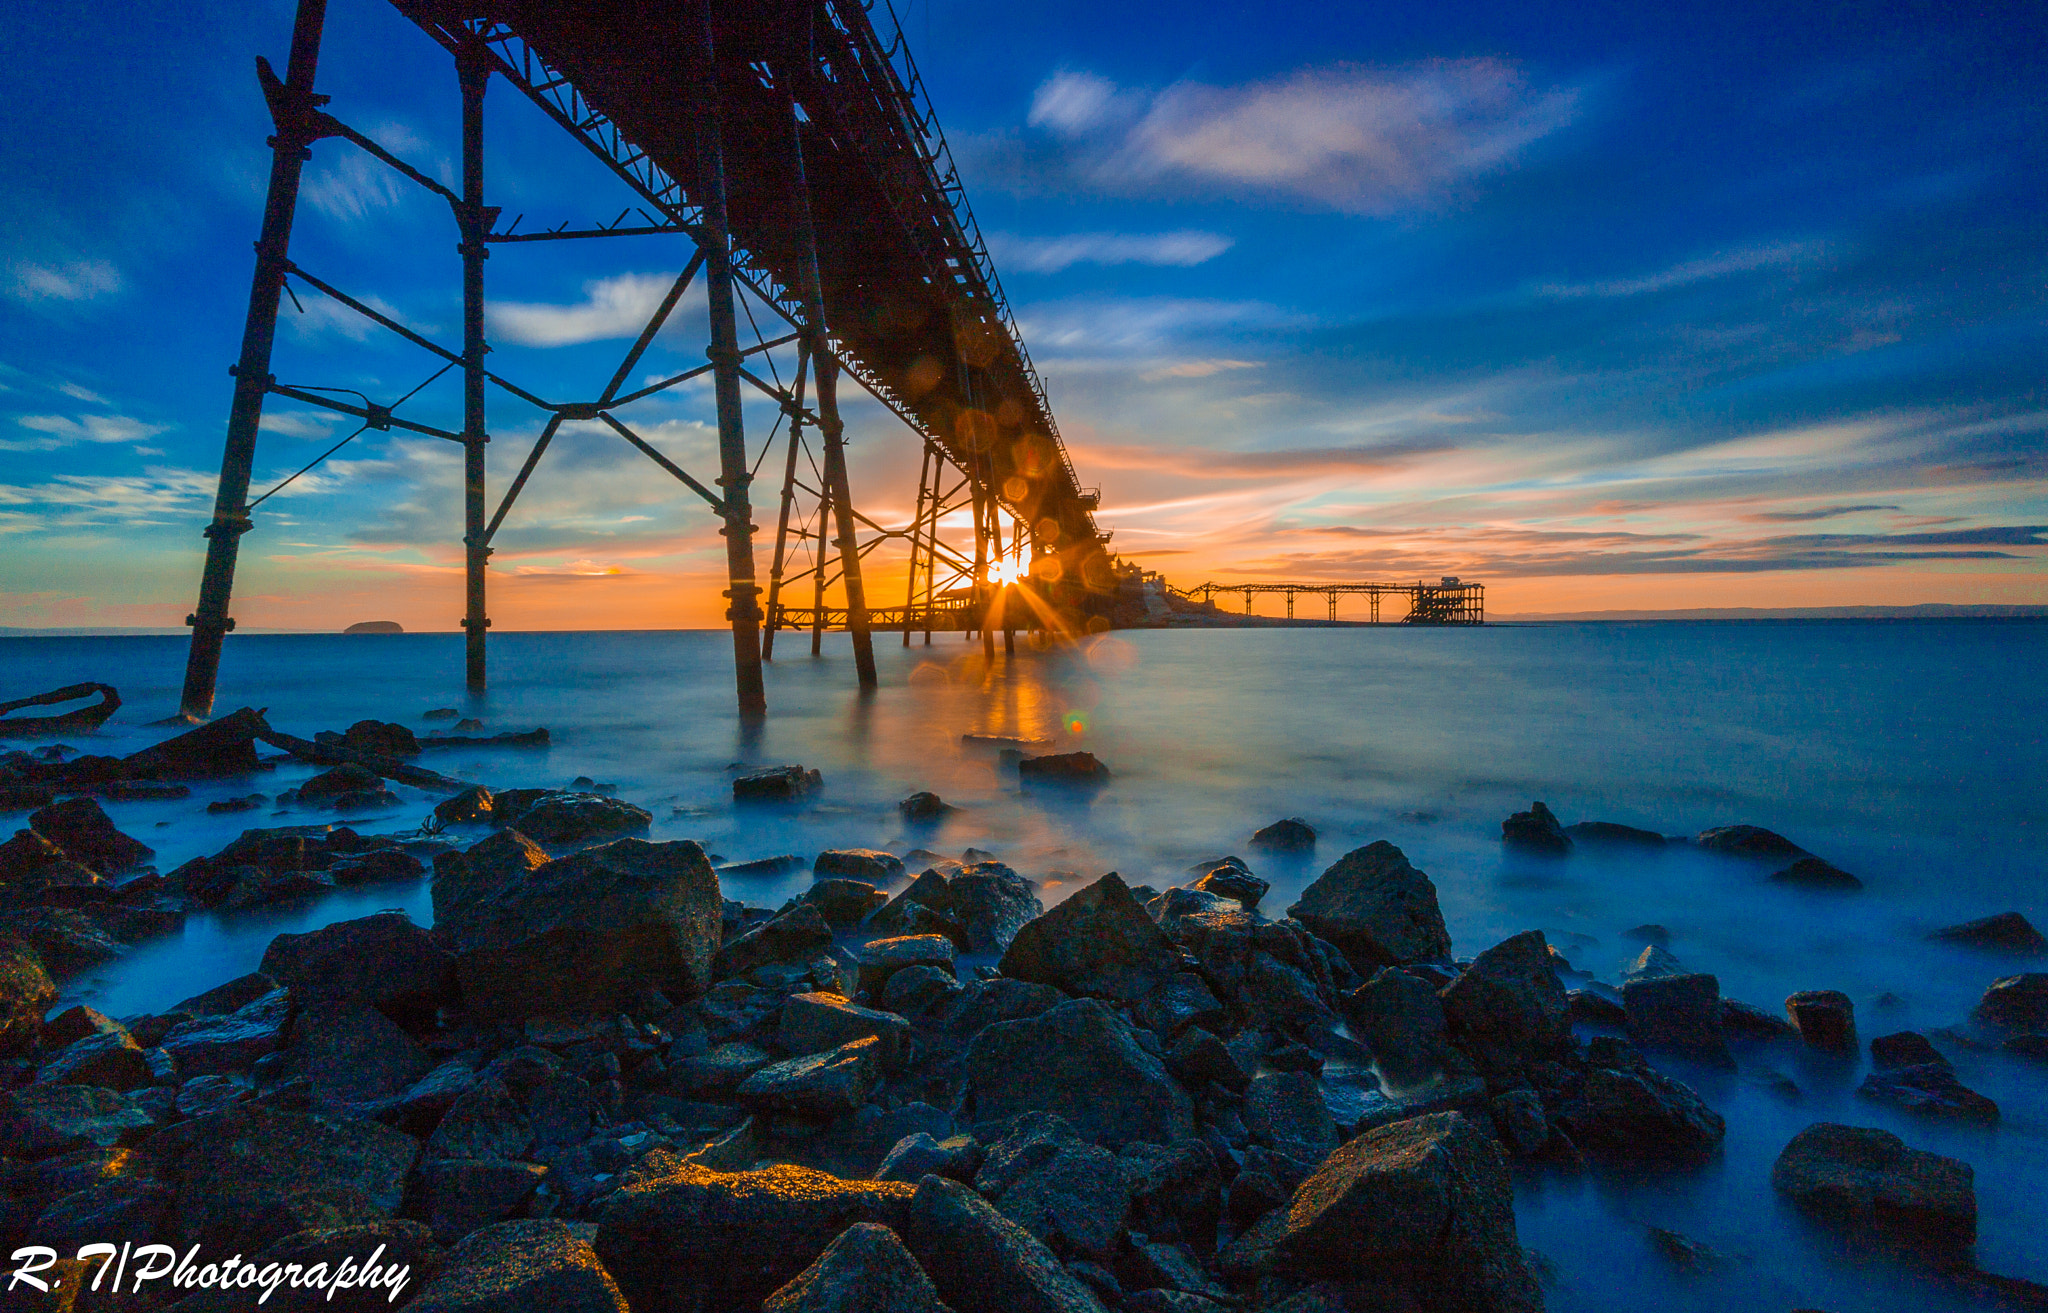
x,y
1910,754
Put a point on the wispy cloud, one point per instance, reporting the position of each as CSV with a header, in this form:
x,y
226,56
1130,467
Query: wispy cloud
x,y
1137,326
1195,369
82,501
352,186
1365,140
312,315
1777,255
611,308
1818,513
1047,255
76,280
64,431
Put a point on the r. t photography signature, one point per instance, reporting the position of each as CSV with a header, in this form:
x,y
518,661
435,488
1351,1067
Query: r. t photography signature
x,y
142,1265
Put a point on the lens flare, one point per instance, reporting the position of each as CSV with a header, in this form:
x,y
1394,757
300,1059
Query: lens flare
x,y
1076,723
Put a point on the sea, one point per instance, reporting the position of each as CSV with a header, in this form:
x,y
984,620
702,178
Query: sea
x,y
1910,753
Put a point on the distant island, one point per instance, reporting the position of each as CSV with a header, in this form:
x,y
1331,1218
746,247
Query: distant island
x,y
375,627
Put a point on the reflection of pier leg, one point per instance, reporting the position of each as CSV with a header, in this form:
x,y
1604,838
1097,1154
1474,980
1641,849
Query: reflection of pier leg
x,y
290,148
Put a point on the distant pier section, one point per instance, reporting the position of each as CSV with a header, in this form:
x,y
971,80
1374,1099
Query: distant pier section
x,y
1449,601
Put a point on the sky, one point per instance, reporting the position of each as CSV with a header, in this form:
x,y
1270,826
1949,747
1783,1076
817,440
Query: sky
x,y
1604,305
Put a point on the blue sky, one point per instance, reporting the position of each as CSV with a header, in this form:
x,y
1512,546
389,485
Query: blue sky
x,y
1607,305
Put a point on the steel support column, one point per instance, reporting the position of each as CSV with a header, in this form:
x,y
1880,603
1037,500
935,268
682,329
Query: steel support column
x,y
724,354
916,527
292,109
781,558
474,70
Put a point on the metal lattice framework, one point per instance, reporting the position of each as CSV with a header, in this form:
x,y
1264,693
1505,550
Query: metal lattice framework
x,y
797,150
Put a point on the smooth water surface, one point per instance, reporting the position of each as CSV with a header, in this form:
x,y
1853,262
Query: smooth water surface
x,y
1909,753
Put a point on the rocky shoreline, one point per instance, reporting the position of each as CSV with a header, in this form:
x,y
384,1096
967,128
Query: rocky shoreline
x,y
597,1082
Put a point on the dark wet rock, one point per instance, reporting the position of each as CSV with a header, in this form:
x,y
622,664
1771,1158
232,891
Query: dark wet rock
x,y
1681,1014
1685,1254
1520,1121
2007,932
81,827
1907,1048
225,746
680,1236
1375,907
1176,1003
797,934
1067,1193
885,957
560,819
218,1045
1236,883
782,864
1654,963
1929,1089
232,996
865,1270
1749,841
110,1058
854,1148
777,784
1425,1204
75,1023
1063,769
353,1055
67,941
1292,835
813,1023
983,1003
1294,1056
383,737
844,901
1198,1057
978,1258
39,1121
400,1245
1285,1112
131,1205
2015,1003
1176,1188
26,993
869,864
1814,873
348,787
205,1094
483,1121
1097,943
1535,831
537,1264
914,991
465,883
1628,1112
25,856
919,1155
378,866
1609,834
992,903
472,806
456,1196
383,960
249,1175
1507,1009
1649,933
1590,1008
1078,1060
822,1085
922,807
1825,1017
1861,1178
587,934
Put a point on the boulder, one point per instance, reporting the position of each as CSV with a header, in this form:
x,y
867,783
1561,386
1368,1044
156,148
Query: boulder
x,y
382,737
885,957
1627,1112
1535,831
1814,873
676,1235
1235,883
869,864
820,1085
982,1003
475,805
1825,1017
1752,1022
1078,1060
382,960
482,1121
813,1023
979,1259
2007,932
1655,962
1681,1014
1285,1112
991,903
26,993
347,787
922,807
537,1264
75,1023
466,882
919,1155
1520,1122
1292,835
2015,1003
219,1045
914,991
226,746
1507,1009
456,1196
1400,1017
777,784
65,940
1198,1057
1749,841
1376,908
1424,1204
1906,1048
796,934
81,827
563,819
1178,1002
1098,943
1863,1179
1929,1089
1063,770
586,935
844,901
356,1058
1609,834
232,996
866,1270
110,1058
250,1174
39,1121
